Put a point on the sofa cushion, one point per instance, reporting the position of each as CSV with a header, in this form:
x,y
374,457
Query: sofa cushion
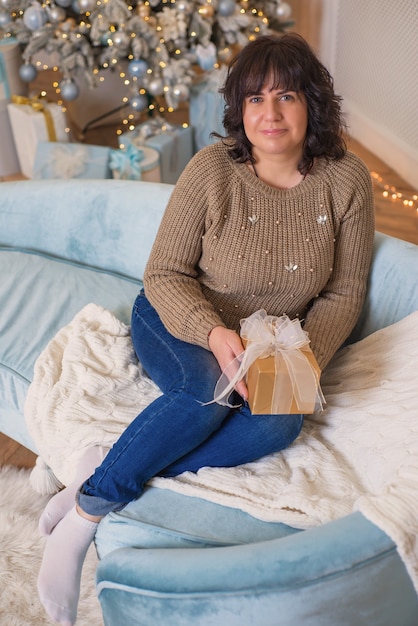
x,y
40,294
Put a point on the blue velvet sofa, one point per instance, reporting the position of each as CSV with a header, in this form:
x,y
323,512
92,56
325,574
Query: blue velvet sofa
x,y
169,559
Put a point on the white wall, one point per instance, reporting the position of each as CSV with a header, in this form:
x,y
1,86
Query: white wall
x,y
371,49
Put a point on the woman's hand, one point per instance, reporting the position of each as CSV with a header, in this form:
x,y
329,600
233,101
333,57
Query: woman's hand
x,y
226,345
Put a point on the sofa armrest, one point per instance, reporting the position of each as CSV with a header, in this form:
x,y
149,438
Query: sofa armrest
x,y
302,574
105,224
392,291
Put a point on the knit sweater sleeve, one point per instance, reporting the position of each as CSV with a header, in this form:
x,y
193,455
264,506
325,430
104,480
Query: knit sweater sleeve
x,y
335,311
171,275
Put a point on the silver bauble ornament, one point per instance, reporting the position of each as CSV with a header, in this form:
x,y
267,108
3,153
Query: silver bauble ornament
x,y
5,18
137,67
56,14
69,90
226,8
183,6
28,72
155,86
283,11
63,3
86,6
35,17
139,102
181,92
120,39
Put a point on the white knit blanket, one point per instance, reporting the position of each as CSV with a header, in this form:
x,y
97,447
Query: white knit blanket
x,y
360,454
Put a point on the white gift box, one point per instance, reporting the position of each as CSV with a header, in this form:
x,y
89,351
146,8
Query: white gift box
x,y
30,125
9,162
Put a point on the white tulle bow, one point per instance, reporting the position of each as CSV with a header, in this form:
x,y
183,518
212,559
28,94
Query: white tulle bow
x,y
68,161
267,335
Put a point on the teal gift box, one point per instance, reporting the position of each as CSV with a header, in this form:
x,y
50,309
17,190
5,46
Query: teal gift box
x,y
174,144
206,109
55,159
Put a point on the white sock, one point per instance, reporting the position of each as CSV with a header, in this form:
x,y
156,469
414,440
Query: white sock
x,y
62,502
60,574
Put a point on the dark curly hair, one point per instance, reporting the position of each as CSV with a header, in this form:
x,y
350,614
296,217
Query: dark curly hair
x,y
292,64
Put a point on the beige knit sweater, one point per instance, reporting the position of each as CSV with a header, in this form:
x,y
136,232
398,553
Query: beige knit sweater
x,y
229,245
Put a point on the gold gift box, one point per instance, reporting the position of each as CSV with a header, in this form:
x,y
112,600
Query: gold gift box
x,y
262,377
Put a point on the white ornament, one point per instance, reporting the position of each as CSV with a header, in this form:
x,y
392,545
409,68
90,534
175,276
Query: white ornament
x,y
181,92
156,86
284,11
86,6
56,14
120,39
183,6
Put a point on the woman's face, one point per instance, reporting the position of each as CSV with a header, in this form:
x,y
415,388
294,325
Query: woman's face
x,y
275,122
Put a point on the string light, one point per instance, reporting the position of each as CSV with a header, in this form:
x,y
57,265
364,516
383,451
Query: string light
x,y
390,192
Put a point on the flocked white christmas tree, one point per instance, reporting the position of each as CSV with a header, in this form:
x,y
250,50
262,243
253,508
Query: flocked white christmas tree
x,y
156,44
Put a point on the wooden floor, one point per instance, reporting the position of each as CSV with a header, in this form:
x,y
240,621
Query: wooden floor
x,y
392,218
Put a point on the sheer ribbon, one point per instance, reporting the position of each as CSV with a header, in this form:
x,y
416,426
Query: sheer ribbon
x,y
126,163
267,335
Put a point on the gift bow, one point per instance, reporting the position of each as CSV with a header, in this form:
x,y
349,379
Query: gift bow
x,y
153,128
38,105
68,162
267,335
127,162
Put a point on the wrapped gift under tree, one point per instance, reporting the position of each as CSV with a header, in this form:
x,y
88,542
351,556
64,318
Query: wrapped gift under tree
x,y
34,120
174,144
55,159
207,108
133,163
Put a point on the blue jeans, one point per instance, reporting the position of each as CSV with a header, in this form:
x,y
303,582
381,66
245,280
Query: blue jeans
x,y
178,432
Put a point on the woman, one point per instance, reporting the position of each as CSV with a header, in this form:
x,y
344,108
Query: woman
x,y
276,216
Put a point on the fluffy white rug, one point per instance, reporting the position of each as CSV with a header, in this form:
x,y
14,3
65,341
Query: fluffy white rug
x,y
21,550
